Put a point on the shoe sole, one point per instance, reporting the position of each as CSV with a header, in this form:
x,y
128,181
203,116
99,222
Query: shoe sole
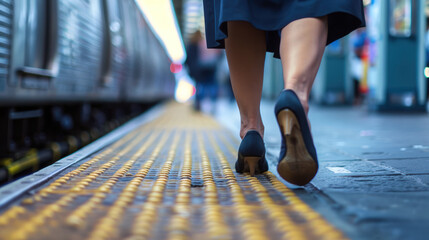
x,y
297,167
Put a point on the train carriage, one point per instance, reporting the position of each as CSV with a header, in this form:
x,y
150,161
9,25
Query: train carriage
x,y
68,66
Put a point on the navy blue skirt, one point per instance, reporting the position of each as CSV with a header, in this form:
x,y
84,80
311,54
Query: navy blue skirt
x,y
271,16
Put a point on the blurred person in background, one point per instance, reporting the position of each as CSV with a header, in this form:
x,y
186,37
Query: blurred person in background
x,y
202,64
358,40
297,31
224,78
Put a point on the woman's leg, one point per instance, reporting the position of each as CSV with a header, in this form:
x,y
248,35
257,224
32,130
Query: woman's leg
x,y
301,49
245,50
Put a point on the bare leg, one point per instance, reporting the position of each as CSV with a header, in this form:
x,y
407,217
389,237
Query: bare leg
x,y
245,50
301,49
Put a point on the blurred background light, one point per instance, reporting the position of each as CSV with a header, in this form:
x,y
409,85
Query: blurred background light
x,y
427,72
176,67
185,88
162,18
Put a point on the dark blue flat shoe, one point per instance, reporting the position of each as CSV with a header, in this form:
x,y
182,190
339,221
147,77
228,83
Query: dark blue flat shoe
x,y
298,159
251,154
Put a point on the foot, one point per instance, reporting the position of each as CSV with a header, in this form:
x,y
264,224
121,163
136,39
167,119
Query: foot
x,y
251,154
298,159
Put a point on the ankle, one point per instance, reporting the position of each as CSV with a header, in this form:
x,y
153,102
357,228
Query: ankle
x,y
245,127
303,96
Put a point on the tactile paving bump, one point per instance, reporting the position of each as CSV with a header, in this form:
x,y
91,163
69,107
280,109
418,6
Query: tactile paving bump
x,y
169,179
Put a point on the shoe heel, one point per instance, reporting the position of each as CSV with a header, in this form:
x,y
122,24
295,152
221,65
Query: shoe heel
x,y
251,154
252,164
287,121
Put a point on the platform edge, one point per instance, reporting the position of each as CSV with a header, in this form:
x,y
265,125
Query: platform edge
x,y
14,190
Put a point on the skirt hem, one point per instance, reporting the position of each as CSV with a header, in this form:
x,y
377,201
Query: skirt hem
x,y
340,23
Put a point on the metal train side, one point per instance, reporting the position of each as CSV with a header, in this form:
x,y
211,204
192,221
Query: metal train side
x,y
54,51
71,71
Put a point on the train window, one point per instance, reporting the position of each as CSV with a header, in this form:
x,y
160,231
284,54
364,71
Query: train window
x,y
36,34
40,38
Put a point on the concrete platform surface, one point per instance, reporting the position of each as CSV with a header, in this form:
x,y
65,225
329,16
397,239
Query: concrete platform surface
x,y
373,180
168,178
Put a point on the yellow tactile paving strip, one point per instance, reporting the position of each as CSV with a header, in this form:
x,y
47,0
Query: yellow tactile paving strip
x,y
170,179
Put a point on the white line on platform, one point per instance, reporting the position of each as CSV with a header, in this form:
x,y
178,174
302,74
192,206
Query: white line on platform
x,y
339,169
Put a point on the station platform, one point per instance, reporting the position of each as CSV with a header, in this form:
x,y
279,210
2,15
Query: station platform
x,y
169,174
169,177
